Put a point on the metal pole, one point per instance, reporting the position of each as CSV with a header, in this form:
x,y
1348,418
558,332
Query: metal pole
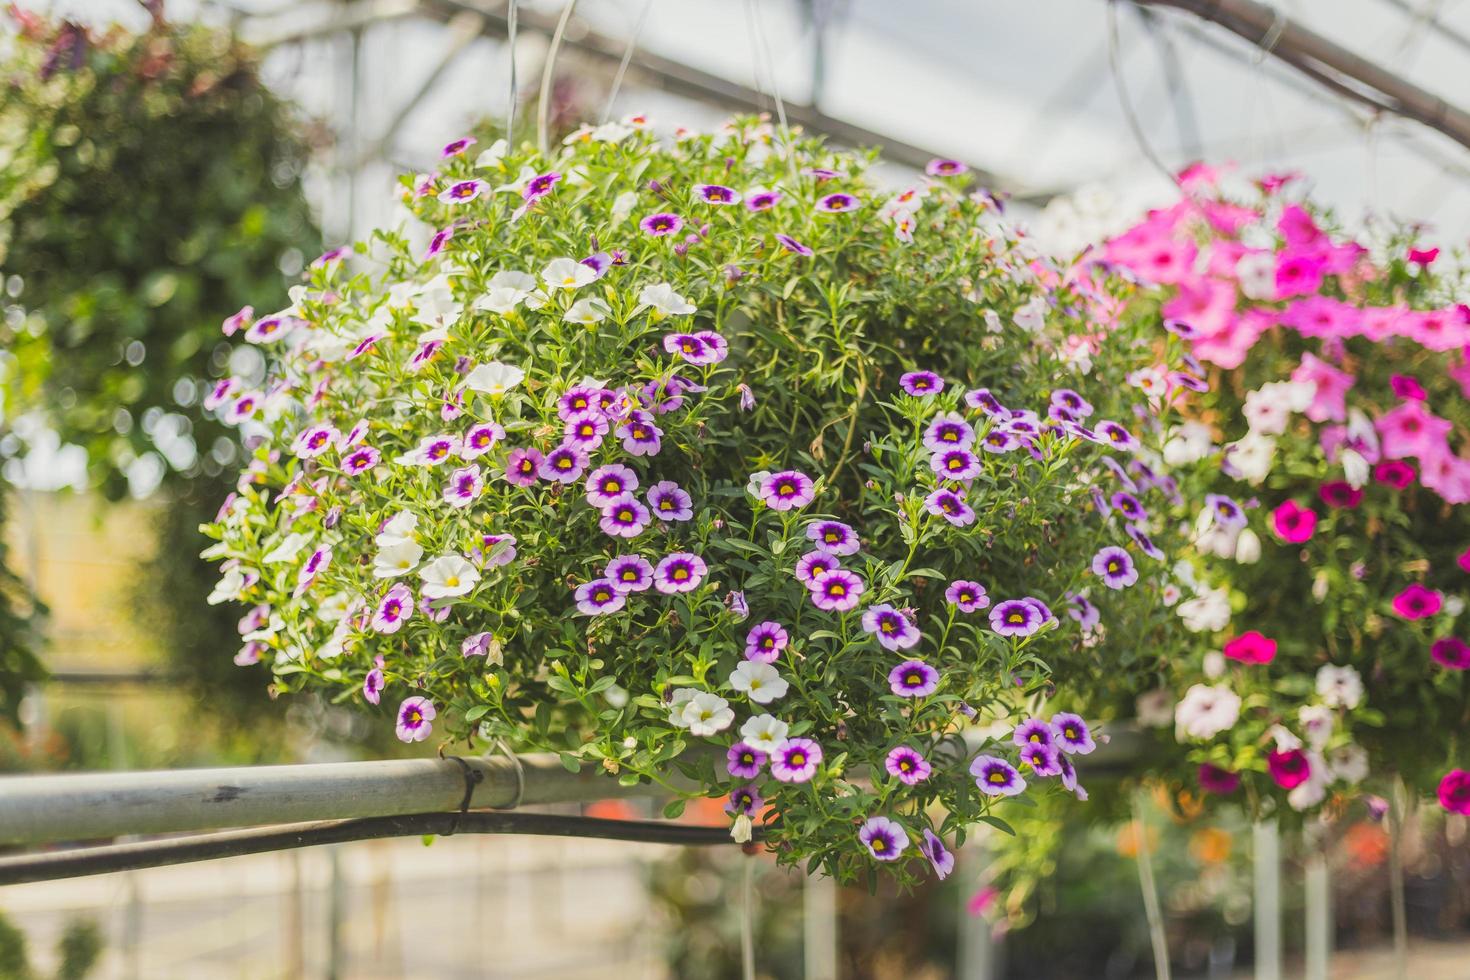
x,y
1158,939
336,913
819,927
1267,840
1318,910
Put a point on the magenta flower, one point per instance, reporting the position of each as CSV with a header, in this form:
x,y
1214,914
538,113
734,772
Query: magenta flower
x,y
907,765
761,200
787,490
1395,473
462,192
415,719
913,679
996,777
837,203
629,573
967,596
945,168
811,566
679,572
372,686
744,760
765,641
1251,647
360,460
539,186
795,760
576,400
833,537
1115,567
932,847
564,464
1417,602
1072,734
610,483
624,517
891,627
883,838
456,147
1454,791
1450,652
641,437
955,464
670,502
599,597
1340,495
837,591
717,194
1221,782
659,225
523,466
393,610
949,505
1293,523
792,245
921,384
1289,769
439,241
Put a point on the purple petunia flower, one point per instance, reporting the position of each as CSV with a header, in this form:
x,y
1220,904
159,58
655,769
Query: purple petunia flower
x,y
837,203
670,502
982,400
1072,735
372,686
795,760
1144,542
499,549
949,505
629,573
1044,760
996,777
811,566
765,641
679,572
1016,617
415,719
1071,401
717,194
624,517
913,679
932,847
575,400
999,441
948,432
1228,513
464,486
787,490
1069,778
539,186
585,430
955,464
599,597
523,466
833,537
704,347
456,147
609,483
945,168
792,245
564,464
360,460
481,439
761,200
462,192
1115,567
907,765
271,328
1110,433
883,838
837,591
891,627
436,244
641,437
314,441
744,801
967,596
599,263
921,384
1042,609
744,760
393,610
1032,731
659,225
1128,505
1083,611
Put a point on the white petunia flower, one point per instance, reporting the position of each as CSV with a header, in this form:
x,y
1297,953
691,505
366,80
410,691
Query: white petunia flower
x,y
494,378
661,297
764,732
1031,317
707,714
587,311
1339,687
1189,442
398,530
760,682
1207,612
567,274
229,588
1349,763
397,559
448,576
289,548
1206,711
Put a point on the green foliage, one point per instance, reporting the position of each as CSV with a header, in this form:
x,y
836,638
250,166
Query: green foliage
x,y
20,617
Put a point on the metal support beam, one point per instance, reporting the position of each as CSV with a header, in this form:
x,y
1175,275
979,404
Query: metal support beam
x,y
1329,63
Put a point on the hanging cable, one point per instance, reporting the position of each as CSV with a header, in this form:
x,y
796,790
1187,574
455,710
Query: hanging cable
x,y
547,71
763,54
617,82
510,43
1125,98
747,922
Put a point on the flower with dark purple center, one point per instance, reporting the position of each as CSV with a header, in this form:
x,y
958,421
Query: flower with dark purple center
x,y
599,263
891,627
787,490
982,400
837,591
811,566
921,384
948,432
539,186
1417,602
481,439
913,679
945,168
659,225
967,596
1015,617
456,147
837,203
1115,567
1110,433
1450,652
360,460
415,719
949,505
955,464
1144,542
761,200
1032,731
744,760
996,777
883,838
439,241
795,760
585,430
271,328
1289,768
564,464
679,572
907,765
523,466
393,610
1044,760
464,486
462,192
717,194
1213,779
765,641
1128,505
1072,734
932,847
744,801
1080,608
641,437
669,502
833,537
599,597
609,483
624,517
1189,382
1072,402
372,686
792,245
629,573
1228,513
999,440
577,400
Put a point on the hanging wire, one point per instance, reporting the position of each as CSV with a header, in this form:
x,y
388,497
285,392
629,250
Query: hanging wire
x,y
547,71
747,921
1125,98
510,41
1158,939
617,83
763,54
